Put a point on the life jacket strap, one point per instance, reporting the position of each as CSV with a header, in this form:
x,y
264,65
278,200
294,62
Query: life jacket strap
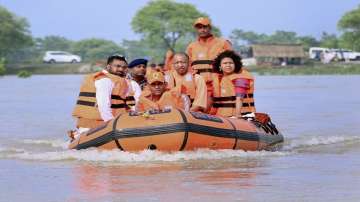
x,y
232,105
202,62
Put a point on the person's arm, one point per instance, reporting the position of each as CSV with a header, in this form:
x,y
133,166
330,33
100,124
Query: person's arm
x,y
241,87
227,45
169,60
186,102
104,88
200,100
169,79
189,53
238,104
137,92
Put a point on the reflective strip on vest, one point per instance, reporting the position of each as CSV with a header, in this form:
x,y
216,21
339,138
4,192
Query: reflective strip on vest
x,y
201,62
129,101
231,98
224,101
232,105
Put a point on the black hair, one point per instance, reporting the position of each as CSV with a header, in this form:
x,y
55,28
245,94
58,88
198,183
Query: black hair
x,y
116,57
227,54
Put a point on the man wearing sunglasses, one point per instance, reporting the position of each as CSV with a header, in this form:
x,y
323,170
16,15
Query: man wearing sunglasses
x,y
104,95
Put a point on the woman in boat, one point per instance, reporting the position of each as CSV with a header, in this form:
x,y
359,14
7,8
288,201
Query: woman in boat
x,y
233,87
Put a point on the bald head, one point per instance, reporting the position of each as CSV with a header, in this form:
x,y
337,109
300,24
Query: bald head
x,y
181,63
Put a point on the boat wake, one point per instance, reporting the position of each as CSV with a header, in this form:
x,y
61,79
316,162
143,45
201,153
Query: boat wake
x,y
57,143
56,150
311,142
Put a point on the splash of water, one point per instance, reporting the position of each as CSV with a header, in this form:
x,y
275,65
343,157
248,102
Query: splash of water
x,y
307,142
56,143
94,155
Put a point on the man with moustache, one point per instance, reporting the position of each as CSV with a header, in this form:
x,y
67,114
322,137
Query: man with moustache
x,y
138,71
203,51
104,95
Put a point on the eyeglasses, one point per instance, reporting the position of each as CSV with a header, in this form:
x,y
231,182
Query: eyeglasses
x,y
200,26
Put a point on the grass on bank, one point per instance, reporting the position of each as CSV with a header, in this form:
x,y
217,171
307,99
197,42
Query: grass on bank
x,y
62,68
317,69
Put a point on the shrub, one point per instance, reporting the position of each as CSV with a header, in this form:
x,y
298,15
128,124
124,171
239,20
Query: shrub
x,y
24,74
2,67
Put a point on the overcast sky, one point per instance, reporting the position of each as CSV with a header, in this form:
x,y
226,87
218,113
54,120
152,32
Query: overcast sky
x,y
110,19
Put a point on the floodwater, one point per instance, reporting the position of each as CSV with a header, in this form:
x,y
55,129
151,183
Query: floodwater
x,y
320,161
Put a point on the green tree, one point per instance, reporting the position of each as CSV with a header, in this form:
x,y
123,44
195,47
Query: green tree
x,y
329,40
51,43
96,49
35,53
241,37
14,33
167,24
349,24
307,42
2,67
135,49
282,37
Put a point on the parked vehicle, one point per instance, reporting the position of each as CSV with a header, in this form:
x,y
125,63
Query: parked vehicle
x,y
60,56
338,54
346,55
316,52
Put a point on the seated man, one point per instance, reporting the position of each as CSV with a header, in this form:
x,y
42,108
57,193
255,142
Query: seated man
x,y
137,71
157,98
184,81
103,95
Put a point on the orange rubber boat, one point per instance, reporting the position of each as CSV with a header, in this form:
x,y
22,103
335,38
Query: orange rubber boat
x,y
177,130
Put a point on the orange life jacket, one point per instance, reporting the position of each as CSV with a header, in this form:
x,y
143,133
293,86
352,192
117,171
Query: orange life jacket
x,y
86,106
167,100
202,53
225,97
184,84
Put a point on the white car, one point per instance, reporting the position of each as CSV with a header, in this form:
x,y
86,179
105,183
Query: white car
x,y
316,52
60,56
347,55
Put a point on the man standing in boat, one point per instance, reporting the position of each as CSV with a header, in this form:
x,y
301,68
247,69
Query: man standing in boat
x,y
203,51
185,82
104,95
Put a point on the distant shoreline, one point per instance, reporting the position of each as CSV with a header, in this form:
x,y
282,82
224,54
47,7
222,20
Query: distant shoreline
x,y
312,69
84,68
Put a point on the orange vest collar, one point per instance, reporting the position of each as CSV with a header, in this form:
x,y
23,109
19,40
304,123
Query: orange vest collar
x,y
206,40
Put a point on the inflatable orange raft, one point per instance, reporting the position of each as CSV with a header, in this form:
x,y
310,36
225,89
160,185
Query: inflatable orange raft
x,y
177,130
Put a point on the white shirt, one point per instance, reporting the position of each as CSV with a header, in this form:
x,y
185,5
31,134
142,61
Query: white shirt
x,y
104,89
135,87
